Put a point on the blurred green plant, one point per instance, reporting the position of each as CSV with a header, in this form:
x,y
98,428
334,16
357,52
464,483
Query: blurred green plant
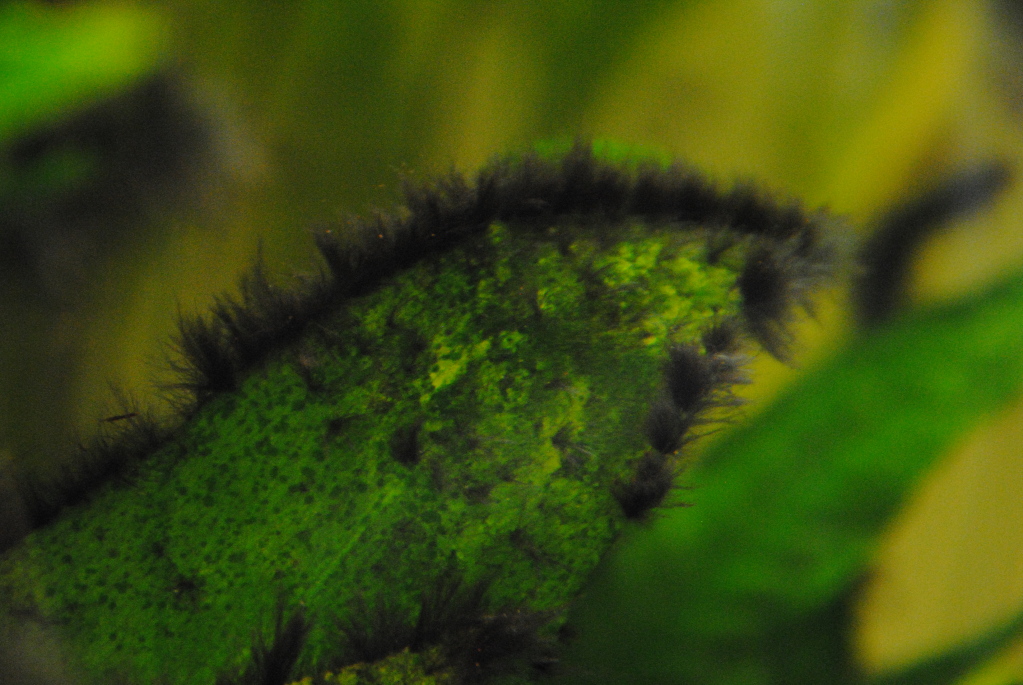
x,y
57,61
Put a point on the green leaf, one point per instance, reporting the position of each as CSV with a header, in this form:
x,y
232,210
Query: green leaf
x,y
410,438
750,583
52,61
955,664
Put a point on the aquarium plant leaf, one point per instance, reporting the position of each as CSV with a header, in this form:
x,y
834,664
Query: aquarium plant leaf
x,y
752,582
417,457
56,60
953,665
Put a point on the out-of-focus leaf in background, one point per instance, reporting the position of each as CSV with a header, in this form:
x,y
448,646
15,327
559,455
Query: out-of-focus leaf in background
x,y
97,141
52,63
312,108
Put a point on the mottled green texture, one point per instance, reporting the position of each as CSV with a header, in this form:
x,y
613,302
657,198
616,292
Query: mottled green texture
x,y
403,668
528,362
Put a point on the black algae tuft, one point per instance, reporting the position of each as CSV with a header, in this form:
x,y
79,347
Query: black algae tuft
x,y
475,643
653,479
272,664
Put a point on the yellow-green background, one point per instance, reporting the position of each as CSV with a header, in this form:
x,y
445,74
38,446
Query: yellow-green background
x,y
317,107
